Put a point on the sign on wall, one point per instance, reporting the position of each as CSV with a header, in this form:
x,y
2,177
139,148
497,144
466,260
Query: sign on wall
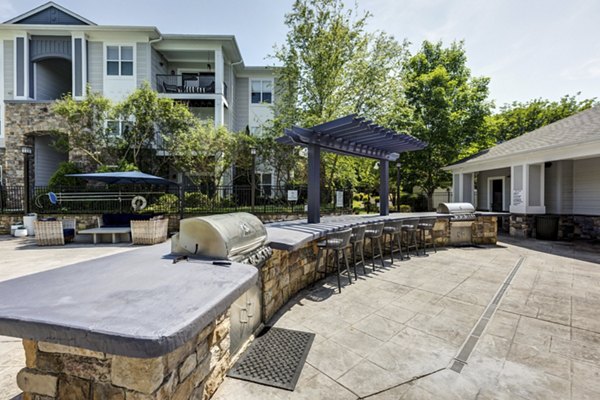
x,y
517,197
339,198
292,195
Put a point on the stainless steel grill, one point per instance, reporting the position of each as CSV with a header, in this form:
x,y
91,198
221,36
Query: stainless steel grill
x,y
462,217
238,237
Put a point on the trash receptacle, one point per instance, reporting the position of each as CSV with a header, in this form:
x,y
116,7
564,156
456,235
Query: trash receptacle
x,y
546,227
28,222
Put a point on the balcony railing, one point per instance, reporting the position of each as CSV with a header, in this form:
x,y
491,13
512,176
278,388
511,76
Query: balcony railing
x,y
188,84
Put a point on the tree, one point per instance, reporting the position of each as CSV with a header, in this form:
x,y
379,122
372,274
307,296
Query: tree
x,y
518,118
449,110
331,68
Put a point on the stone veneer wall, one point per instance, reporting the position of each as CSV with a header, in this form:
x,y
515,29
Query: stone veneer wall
x,y
193,371
484,230
22,121
522,225
569,226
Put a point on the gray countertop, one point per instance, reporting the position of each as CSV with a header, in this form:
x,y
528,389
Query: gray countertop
x,y
291,235
136,304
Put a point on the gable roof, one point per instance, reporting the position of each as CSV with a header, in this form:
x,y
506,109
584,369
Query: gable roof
x,y
50,14
580,128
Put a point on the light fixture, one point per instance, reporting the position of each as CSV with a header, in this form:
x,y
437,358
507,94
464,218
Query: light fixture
x,y
376,166
26,149
252,151
398,165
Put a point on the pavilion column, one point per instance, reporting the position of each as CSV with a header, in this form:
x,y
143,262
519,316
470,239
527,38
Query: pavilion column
x,y
384,189
314,184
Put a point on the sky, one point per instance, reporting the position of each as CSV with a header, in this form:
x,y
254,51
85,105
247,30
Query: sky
x,y
529,48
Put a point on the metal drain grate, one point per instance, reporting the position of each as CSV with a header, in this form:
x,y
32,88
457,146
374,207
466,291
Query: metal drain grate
x,y
275,358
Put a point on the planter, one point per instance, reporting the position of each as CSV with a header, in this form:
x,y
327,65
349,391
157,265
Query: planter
x,y
20,232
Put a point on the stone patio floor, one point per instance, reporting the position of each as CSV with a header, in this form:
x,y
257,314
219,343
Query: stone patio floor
x,y
394,334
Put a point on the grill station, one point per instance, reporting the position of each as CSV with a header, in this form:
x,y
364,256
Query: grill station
x,y
238,237
462,217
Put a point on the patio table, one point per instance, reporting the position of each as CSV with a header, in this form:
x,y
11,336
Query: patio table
x,y
115,232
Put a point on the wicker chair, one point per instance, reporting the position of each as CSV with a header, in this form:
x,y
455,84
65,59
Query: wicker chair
x,y
149,232
52,233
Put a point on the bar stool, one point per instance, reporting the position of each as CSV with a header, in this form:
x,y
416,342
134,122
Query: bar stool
x,y
375,232
393,229
335,241
357,241
425,226
409,232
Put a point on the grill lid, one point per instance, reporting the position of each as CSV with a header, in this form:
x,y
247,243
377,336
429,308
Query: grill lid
x,y
456,208
222,236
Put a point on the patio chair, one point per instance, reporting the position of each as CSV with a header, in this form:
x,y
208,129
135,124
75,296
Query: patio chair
x,y
425,227
374,232
393,229
357,241
152,231
336,242
409,233
54,232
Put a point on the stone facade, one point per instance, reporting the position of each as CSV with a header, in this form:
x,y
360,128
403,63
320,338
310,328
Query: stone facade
x,y
569,226
23,121
522,225
193,371
484,230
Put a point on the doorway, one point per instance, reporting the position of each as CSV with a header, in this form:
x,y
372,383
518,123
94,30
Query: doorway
x,y
497,194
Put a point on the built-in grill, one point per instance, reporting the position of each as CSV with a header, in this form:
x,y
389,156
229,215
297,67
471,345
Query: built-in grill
x,y
462,217
238,237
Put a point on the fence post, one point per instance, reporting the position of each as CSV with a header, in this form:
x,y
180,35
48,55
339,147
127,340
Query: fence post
x,y
181,202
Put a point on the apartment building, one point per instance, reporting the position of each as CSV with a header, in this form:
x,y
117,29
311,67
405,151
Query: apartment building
x,y
50,51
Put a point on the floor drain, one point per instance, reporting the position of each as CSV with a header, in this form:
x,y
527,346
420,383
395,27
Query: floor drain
x,y
467,348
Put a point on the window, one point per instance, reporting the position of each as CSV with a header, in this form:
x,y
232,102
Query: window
x,y
117,127
262,91
119,60
266,183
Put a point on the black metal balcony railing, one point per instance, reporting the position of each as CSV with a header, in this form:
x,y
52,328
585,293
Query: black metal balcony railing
x,y
188,83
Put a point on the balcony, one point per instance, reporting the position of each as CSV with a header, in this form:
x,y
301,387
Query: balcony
x,y
202,83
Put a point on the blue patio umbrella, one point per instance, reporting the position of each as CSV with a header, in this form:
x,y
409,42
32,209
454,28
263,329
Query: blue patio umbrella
x,y
125,178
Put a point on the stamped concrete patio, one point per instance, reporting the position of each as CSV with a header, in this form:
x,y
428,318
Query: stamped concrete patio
x,y
395,333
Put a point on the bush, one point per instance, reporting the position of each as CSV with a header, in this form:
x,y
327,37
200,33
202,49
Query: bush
x,y
405,208
167,202
124,166
196,199
416,201
59,177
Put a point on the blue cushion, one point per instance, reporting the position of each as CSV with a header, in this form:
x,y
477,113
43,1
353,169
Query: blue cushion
x,y
123,220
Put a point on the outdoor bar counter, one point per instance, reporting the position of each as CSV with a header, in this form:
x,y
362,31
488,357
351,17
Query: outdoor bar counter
x,y
126,325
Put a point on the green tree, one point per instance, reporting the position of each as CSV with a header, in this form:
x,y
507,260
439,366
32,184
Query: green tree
x,y
332,67
517,118
449,111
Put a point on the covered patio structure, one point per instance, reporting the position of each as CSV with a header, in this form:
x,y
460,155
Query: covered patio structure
x,y
354,136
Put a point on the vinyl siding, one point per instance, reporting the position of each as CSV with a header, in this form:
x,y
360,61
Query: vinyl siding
x,y
482,187
47,159
142,69
241,104
51,80
9,70
558,187
586,186
156,68
95,66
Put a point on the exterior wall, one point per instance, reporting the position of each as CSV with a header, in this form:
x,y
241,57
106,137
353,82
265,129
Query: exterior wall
x,y
193,371
241,104
483,187
22,121
47,159
143,63
156,68
95,64
9,69
558,191
51,81
522,225
586,186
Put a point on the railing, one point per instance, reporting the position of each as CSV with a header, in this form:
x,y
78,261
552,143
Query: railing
x,y
197,200
188,84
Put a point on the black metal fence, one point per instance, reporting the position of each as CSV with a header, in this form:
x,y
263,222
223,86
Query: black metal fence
x,y
197,200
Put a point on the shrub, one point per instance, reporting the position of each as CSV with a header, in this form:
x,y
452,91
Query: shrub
x,y
59,177
196,199
405,208
167,202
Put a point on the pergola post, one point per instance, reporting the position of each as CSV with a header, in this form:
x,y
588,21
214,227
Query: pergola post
x,y
384,189
314,184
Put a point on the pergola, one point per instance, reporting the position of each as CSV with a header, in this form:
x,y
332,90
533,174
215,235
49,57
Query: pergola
x,y
354,136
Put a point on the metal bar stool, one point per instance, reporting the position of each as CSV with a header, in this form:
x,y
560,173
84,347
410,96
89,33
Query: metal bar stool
x,y
375,232
335,241
357,241
394,230
425,226
409,232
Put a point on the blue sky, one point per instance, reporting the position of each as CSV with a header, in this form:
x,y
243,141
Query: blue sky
x,y
529,48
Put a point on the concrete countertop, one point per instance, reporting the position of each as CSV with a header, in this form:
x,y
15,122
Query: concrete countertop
x,y
136,304
291,235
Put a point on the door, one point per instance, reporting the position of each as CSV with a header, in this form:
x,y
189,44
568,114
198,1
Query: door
x,y
497,195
